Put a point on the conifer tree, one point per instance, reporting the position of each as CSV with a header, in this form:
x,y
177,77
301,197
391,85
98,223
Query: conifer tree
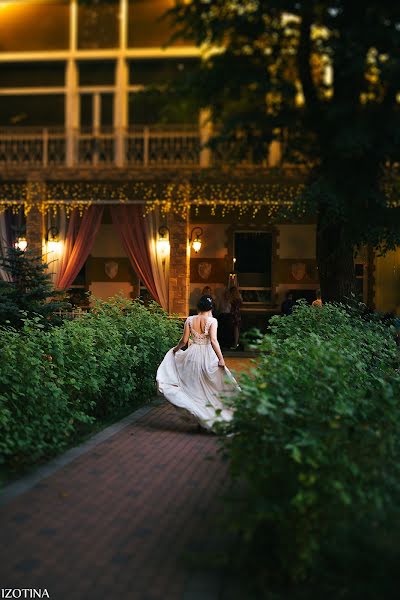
x,y
30,291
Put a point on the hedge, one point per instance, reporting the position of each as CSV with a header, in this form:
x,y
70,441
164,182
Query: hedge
x,y
53,382
315,437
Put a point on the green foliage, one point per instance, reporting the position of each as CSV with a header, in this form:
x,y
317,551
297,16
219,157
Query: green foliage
x,y
322,78
53,382
316,435
30,291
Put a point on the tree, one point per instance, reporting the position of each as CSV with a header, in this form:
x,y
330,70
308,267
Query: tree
x,y
325,75
30,291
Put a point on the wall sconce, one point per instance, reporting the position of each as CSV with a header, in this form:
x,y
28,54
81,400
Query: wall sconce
x,y
52,241
196,242
163,245
21,243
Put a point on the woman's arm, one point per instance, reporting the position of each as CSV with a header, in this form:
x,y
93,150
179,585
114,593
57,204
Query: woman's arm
x,y
215,343
184,339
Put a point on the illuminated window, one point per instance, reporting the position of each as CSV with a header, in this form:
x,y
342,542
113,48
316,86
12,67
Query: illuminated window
x,y
30,26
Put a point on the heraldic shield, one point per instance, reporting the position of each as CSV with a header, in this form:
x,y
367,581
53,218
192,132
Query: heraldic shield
x,y
111,269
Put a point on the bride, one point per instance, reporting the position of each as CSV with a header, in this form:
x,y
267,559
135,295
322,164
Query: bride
x,y
196,378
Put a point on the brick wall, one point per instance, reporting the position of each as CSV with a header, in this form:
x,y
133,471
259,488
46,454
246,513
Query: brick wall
x,y
179,281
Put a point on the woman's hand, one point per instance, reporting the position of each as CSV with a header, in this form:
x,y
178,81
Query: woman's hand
x,y
175,350
221,363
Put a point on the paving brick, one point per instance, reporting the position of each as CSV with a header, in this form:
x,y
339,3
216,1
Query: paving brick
x,y
118,521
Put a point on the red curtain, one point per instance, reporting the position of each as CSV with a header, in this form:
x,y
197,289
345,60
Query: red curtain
x,y
78,243
129,222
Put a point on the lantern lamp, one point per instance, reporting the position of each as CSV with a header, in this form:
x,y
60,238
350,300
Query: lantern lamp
x,y
163,245
52,239
21,243
195,243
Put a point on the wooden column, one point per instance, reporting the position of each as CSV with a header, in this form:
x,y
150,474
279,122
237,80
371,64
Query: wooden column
x,y
179,274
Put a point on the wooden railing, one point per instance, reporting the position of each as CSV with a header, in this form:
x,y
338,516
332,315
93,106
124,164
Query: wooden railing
x,y
156,146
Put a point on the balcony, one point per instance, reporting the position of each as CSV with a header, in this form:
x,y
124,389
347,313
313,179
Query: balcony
x,y
136,147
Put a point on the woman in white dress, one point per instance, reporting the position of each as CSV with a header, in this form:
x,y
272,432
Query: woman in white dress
x,y
197,379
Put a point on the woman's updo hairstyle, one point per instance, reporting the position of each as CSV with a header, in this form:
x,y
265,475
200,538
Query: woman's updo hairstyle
x,y
205,303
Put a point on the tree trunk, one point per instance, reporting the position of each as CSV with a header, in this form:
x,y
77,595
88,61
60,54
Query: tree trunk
x,y
335,259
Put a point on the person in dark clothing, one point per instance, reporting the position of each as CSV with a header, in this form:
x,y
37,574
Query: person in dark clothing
x,y
236,303
287,305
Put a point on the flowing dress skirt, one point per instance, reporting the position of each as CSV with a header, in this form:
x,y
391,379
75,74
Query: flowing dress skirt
x,y
192,380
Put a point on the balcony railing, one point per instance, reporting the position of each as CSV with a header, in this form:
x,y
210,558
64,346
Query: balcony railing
x,y
177,146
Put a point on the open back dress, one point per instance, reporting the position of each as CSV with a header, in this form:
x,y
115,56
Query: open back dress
x,y
191,379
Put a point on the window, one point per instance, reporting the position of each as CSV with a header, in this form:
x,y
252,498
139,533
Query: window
x,y
41,74
29,26
38,111
159,71
145,29
98,24
253,253
105,110
155,105
359,273
98,72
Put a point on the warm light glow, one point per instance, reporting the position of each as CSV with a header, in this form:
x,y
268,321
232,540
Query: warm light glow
x,y
52,243
196,242
163,247
21,243
196,245
15,3
53,246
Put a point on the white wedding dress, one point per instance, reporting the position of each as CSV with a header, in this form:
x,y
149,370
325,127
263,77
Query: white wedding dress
x,y
191,379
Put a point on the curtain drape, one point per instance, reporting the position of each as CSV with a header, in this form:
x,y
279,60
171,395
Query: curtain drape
x,y
131,226
10,223
51,256
78,244
159,264
4,242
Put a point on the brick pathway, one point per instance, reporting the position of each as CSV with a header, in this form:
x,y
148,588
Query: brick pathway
x,y
118,521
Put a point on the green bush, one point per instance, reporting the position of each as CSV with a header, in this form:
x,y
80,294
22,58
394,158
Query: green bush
x,y
316,436
53,381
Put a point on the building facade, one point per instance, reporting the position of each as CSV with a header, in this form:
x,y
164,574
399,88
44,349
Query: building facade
x,y
84,121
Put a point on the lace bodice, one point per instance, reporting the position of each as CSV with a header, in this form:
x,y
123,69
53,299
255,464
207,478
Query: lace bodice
x,y
200,338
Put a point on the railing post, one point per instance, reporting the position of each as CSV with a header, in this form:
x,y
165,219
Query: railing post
x,y
119,147
146,140
275,150
275,153
205,131
45,142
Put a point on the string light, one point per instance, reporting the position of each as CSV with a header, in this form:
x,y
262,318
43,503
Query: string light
x,y
271,200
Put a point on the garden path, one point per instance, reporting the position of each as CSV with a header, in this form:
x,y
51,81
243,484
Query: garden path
x,y
120,520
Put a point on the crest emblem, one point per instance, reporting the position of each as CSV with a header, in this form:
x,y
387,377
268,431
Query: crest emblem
x,y
204,270
111,268
298,270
